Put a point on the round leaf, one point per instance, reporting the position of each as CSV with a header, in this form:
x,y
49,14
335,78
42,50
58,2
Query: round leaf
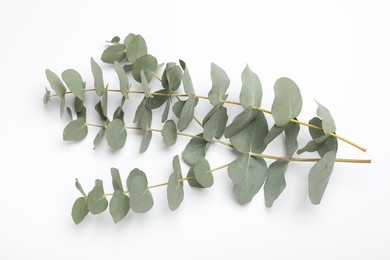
x,y
96,200
148,64
195,150
169,133
141,199
116,134
136,48
215,125
116,52
76,130
79,210
203,174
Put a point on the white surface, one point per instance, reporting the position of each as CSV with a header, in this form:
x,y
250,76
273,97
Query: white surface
x,y
337,52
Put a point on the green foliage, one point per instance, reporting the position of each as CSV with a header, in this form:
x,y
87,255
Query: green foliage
x,y
169,133
116,52
116,134
98,77
96,199
56,83
220,85
251,92
196,149
148,64
328,124
141,199
203,174
175,191
76,130
275,182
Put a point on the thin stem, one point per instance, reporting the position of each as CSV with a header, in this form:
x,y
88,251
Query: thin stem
x,y
219,168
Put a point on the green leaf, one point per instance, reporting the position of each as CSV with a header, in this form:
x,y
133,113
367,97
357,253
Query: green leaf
x,y
146,119
274,132
275,181
99,137
178,107
96,200
251,138
215,126
157,101
251,91
220,84
78,105
328,124
136,48
141,199
123,79
191,178
69,111
82,113
292,131
46,97
116,52
175,192
127,67
187,113
328,145
248,175
144,84
115,39
196,149
76,130
314,145
118,114
128,38
182,64
174,77
100,111
116,134
119,205
56,83
80,188
240,122
319,176
104,103
98,77
187,82
116,179
203,174
166,111
139,111
147,137
148,63
287,103
74,82
169,133
79,210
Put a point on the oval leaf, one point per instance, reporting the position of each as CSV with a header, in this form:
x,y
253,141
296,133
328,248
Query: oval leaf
x,y
99,137
116,52
147,137
96,200
98,77
79,210
141,199
215,126
148,64
202,173
175,192
287,103
251,91
76,130
328,124
169,133
56,83
187,83
187,113
119,205
191,178
74,82
123,79
220,84
196,149
240,122
329,145
174,77
275,182
116,134
136,48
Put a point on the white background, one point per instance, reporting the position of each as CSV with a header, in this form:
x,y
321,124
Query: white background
x,y
336,51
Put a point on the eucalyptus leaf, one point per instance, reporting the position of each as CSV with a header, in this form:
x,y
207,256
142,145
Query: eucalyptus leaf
x,y
248,175
128,38
104,102
62,106
98,77
187,113
118,114
175,192
79,210
196,149
166,111
274,132
182,64
275,182
115,39
46,97
174,77
116,52
319,176
287,103
96,200
141,199
74,82
136,48
56,83
146,119
251,91
148,64
116,179
119,205
100,111
69,111
203,174
139,111
154,102
169,133
127,67
240,122
123,79
329,145
187,82
251,138
80,188
215,126
292,131
314,145
220,84
147,137
164,77
78,105
82,113
76,130
116,134
191,178
178,107
144,84
99,137
328,124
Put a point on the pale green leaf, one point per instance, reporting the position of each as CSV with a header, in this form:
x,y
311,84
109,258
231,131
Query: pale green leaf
x,y
196,149
46,97
141,199
146,119
166,111
82,113
139,111
215,126
187,113
98,77
203,174
148,63
240,122
174,77
100,111
118,114
76,130
123,79
78,105
329,145
56,83
187,83
248,175
128,38
251,138
70,114
79,187
144,84
62,106
115,39
147,137
314,145
178,107
274,132
154,102
99,137
319,176
79,210
191,178
275,182
136,48
292,131
220,84
175,192
116,134
287,103
119,205
74,82
169,133
116,52
328,124
104,103
116,179
176,166
96,200
251,91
